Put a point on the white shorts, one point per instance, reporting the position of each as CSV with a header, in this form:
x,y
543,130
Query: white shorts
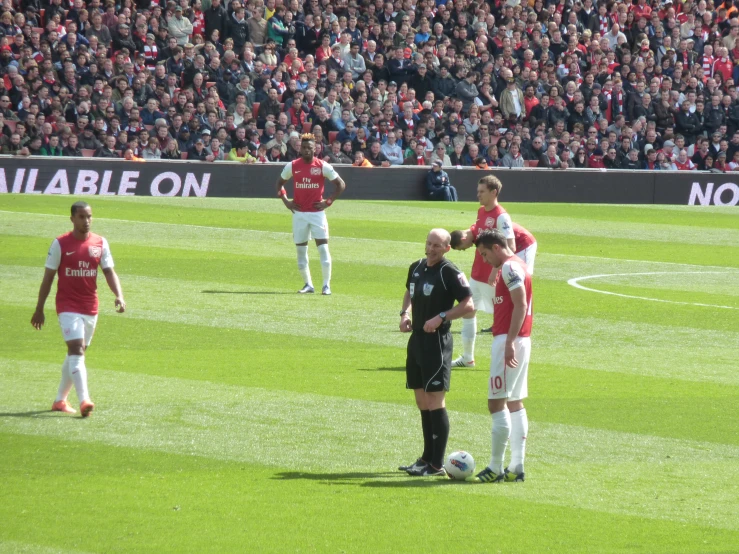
x,y
482,296
77,326
528,255
307,225
508,382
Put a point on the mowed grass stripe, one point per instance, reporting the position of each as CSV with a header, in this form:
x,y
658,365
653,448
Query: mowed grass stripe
x,y
559,393
15,547
340,435
231,210
566,341
158,509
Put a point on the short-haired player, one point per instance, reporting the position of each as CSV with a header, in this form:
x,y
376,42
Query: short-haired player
x,y
491,215
308,207
76,257
509,357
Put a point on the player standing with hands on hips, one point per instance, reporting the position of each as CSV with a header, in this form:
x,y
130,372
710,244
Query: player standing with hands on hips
x,y
433,285
309,218
509,358
76,256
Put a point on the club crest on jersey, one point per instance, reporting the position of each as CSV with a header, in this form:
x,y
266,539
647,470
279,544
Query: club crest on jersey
x,y
315,170
490,223
95,251
427,289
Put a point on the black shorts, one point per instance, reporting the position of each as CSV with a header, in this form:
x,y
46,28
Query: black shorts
x,y
428,365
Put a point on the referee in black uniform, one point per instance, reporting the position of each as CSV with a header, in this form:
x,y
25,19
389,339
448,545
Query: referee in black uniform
x,y
433,284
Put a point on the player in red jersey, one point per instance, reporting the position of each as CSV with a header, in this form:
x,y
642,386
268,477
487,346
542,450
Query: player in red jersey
x,y
309,218
76,256
491,215
509,358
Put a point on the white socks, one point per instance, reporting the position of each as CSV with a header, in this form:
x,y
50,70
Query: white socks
x,y
325,263
469,331
78,373
66,383
501,433
519,431
303,265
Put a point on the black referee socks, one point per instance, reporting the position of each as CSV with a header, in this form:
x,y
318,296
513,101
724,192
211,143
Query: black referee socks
x,y
440,435
428,441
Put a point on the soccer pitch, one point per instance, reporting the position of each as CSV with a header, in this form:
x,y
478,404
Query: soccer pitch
x,y
233,415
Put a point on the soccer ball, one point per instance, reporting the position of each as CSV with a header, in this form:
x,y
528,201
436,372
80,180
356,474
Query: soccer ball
x,y
460,465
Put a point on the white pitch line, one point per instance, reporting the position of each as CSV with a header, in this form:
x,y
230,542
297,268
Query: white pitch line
x,y
575,283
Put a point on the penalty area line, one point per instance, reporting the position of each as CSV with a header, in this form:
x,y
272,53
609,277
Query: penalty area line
x,y
575,282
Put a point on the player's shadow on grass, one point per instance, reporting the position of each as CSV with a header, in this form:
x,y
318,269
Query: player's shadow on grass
x,y
418,482
348,477
244,292
381,368
27,414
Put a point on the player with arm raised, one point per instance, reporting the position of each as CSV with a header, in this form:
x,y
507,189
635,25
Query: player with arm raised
x,y
308,207
491,215
523,238
509,357
76,256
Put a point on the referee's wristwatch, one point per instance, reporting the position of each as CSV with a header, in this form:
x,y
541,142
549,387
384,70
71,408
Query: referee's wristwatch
x,y
403,312
442,315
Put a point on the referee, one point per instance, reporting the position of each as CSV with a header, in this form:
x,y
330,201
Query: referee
x,y
432,286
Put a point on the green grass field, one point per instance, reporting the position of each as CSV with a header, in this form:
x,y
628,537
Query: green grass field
x,y
233,415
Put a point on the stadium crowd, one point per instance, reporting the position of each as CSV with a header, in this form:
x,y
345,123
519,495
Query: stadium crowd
x,y
556,83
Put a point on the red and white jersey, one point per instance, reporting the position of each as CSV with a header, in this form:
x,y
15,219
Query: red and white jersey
x,y
308,181
523,237
512,275
76,262
687,166
497,218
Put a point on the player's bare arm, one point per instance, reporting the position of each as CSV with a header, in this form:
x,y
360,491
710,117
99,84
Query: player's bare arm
x,y
339,188
405,319
518,296
462,309
512,244
115,285
38,318
282,194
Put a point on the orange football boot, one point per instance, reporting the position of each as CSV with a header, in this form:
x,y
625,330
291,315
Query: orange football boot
x,y
86,408
63,406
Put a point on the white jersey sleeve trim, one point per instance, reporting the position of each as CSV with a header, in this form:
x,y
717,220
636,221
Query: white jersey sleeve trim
x,y
329,172
287,171
106,260
54,258
505,225
513,275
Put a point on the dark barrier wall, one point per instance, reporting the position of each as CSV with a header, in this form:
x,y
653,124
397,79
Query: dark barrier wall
x,y
86,176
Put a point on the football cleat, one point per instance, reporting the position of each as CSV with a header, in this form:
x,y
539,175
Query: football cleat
x,y
487,475
86,408
307,289
427,471
459,362
512,476
326,290
63,406
419,463
484,331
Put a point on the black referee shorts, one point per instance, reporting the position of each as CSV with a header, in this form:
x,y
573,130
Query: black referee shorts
x,y
428,365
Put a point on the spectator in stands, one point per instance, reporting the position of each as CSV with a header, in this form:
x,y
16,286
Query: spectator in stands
x,y
438,186
52,148
360,160
513,159
107,150
335,155
240,153
72,148
440,155
152,152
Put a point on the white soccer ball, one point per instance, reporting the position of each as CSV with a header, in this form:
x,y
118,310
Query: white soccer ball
x,y
460,465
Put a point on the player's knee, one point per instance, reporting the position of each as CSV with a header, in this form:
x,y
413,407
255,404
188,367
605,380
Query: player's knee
x,y
76,349
496,405
515,406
